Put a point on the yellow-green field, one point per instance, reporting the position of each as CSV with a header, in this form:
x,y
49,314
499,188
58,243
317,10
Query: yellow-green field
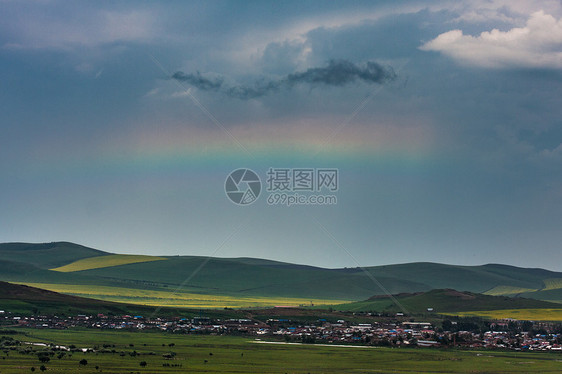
x,y
105,261
183,299
552,284
508,290
520,314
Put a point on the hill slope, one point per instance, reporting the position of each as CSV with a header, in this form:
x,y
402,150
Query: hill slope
x,y
247,277
443,301
104,261
469,278
237,276
46,255
25,300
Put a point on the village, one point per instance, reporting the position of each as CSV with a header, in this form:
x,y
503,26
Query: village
x,y
391,332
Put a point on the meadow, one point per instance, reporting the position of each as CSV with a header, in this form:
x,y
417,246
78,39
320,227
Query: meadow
x,y
73,264
98,262
508,290
552,284
543,314
125,351
172,298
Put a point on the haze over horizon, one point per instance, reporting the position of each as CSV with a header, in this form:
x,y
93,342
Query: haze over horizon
x,y
120,123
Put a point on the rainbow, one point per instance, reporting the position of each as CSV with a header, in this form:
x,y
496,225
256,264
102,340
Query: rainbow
x,y
210,150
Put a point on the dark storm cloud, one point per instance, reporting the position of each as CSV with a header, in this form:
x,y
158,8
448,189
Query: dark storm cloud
x,y
341,72
337,73
199,81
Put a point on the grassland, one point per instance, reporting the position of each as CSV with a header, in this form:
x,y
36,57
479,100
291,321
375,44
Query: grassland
x,y
149,281
105,261
28,301
46,255
227,354
252,280
520,314
444,301
552,284
179,299
25,300
508,290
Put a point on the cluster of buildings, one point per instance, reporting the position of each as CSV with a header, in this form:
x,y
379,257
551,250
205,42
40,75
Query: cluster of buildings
x,y
424,334
522,341
384,332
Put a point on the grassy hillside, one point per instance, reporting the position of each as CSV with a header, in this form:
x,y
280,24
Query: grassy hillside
x,y
179,298
22,272
443,301
508,291
235,277
105,261
554,295
244,277
25,300
542,314
46,255
552,284
466,278
22,299
259,278
19,272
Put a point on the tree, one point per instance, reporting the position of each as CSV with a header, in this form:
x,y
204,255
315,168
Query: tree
x,y
83,362
526,326
43,368
142,363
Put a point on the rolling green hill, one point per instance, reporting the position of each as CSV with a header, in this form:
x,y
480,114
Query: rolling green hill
x,y
258,278
238,276
508,291
554,295
444,301
46,255
233,277
469,278
104,262
24,300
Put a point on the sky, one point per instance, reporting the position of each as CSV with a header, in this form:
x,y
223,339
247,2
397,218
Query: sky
x,y
120,123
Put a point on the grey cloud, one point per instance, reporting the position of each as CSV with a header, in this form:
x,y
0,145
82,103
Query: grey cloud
x,y
199,81
341,72
337,73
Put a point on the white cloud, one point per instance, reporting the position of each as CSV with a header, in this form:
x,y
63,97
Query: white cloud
x,y
514,12
536,45
552,154
484,15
